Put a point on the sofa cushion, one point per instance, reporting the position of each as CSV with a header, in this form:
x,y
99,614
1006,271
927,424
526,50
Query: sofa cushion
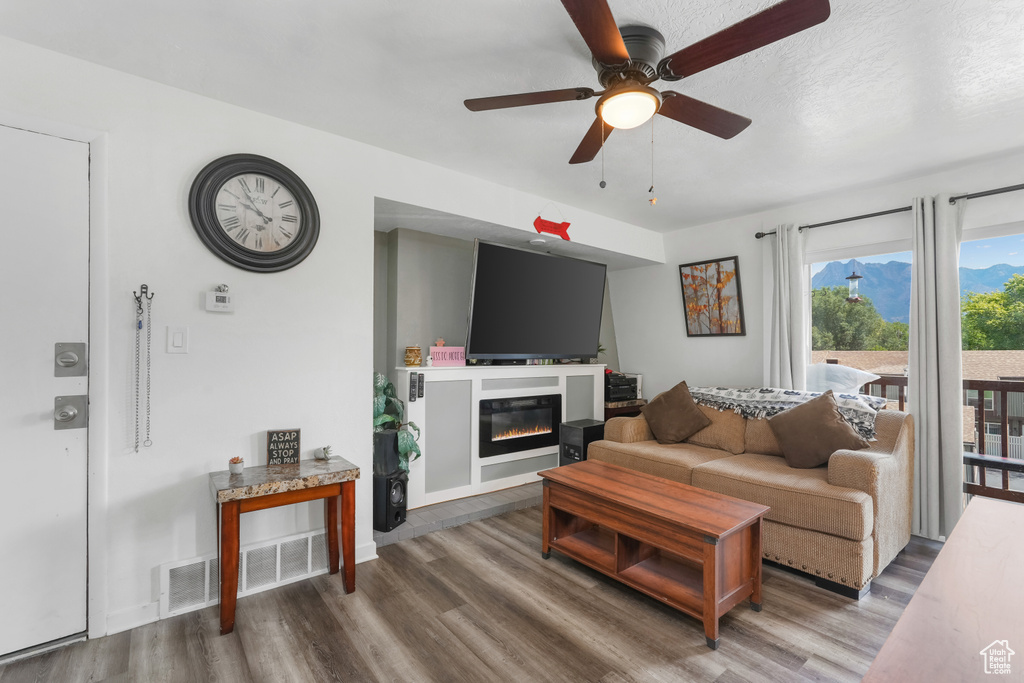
x,y
798,497
673,416
810,432
759,438
725,430
669,461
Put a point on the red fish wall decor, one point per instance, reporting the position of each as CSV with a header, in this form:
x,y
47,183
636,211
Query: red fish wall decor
x,y
560,229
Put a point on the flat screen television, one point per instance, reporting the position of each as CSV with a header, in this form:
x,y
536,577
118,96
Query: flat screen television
x,y
529,305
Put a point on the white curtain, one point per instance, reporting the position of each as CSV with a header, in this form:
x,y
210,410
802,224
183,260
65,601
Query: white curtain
x,y
788,353
935,385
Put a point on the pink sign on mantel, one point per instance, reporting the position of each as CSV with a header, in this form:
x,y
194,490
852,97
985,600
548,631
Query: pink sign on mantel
x,y
447,356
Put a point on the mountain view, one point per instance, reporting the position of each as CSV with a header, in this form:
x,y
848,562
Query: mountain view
x,y
888,284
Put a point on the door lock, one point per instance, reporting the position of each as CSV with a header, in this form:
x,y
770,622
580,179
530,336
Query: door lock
x,y
65,413
70,412
69,359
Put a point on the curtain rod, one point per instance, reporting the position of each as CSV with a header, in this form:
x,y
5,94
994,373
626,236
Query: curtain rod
x,y
952,200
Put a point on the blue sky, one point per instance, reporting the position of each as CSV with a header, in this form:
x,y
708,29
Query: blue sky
x,y
975,254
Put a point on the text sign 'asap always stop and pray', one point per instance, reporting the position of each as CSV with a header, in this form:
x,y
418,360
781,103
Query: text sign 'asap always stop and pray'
x,y
282,446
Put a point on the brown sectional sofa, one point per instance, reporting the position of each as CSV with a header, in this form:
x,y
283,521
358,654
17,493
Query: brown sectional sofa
x,y
841,523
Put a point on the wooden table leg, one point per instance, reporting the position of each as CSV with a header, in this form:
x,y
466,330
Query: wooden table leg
x,y
331,504
711,592
755,559
545,541
229,514
348,533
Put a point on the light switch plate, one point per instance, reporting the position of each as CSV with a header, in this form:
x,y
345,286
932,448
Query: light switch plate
x,y
177,339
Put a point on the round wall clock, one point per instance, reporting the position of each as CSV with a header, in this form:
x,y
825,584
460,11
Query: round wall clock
x,y
254,213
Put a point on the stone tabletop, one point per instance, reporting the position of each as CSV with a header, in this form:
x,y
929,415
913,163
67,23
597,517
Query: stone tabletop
x,y
263,480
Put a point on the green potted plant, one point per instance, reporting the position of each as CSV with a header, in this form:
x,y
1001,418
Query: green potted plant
x,y
392,442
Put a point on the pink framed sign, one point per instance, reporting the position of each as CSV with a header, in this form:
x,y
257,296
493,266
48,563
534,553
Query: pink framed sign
x,y
447,356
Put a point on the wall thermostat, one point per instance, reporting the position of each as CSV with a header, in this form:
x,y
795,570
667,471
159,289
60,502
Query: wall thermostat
x,y
220,301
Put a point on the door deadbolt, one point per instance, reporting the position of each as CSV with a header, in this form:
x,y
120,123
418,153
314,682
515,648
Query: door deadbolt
x,y
70,412
69,359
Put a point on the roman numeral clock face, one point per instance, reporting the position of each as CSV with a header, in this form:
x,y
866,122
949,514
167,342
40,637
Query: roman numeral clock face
x,y
258,213
254,213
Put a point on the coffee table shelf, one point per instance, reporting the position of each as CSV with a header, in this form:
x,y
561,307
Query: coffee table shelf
x,y
676,583
594,547
695,550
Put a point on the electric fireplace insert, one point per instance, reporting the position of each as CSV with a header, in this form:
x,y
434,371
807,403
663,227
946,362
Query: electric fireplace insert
x,y
510,425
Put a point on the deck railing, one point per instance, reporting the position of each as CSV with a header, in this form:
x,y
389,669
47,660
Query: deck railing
x,y
977,481
999,457
1003,444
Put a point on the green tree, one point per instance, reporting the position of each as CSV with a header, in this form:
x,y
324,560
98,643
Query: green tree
x,y
843,325
994,320
892,336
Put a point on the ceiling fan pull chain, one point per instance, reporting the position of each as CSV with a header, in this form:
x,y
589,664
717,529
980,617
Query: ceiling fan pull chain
x,y
653,200
602,183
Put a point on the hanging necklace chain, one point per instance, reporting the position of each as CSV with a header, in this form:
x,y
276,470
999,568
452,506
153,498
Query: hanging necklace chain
x,y
140,315
149,362
138,333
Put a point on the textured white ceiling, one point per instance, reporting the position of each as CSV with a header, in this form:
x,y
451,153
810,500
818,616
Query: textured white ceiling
x,y
884,89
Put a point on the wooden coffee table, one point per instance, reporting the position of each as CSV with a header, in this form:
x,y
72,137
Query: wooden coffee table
x,y
695,550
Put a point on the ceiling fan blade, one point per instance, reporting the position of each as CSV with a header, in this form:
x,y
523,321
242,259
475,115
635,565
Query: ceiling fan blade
x,y
701,115
775,23
594,20
591,143
525,99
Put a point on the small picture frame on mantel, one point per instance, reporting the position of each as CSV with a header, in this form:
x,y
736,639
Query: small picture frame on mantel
x,y
282,446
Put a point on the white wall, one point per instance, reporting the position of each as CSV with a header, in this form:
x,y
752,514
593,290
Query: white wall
x,y
647,302
432,283
297,352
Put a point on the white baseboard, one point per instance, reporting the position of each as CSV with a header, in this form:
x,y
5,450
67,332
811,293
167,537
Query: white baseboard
x,y
134,617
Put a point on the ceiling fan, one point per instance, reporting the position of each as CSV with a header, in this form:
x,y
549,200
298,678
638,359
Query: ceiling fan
x,y
628,60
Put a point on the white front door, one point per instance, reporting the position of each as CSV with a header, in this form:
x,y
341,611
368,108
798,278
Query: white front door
x,y
44,301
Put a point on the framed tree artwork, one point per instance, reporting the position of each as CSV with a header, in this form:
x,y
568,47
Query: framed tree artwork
x,y
712,302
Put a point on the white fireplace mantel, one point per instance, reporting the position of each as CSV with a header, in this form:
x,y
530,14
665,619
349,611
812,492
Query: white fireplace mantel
x,y
448,415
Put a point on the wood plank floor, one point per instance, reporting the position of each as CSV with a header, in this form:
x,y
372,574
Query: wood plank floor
x,y
477,603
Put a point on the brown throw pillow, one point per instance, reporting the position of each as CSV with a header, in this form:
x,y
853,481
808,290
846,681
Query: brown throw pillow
x,y
673,416
811,432
725,431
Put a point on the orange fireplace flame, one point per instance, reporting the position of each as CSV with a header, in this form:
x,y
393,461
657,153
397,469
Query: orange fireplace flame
x,y
521,432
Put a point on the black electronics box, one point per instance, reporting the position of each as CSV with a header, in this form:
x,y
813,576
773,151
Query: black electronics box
x,y
619,387
575,436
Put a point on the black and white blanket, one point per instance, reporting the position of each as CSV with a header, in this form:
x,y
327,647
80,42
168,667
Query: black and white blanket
x,y
754,403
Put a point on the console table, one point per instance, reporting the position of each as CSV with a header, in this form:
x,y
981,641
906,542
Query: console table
x,y
262,487
966,615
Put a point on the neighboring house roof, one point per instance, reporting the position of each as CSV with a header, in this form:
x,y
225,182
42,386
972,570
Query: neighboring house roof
x,y
981,365
892,362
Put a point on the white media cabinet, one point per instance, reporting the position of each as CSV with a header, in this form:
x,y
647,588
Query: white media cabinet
x,y
448,416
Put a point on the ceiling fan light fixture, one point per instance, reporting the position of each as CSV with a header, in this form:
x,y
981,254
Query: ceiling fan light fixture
x,y
629,107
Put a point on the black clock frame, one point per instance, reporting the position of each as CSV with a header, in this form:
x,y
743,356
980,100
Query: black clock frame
x,y
202,209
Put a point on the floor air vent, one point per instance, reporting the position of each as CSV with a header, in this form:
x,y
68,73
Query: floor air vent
x,y
193,584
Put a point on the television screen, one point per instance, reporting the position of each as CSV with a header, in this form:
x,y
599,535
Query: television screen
x,y
529,305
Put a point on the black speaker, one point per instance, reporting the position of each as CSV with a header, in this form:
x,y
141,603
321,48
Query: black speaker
x,y
575,436
390,495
